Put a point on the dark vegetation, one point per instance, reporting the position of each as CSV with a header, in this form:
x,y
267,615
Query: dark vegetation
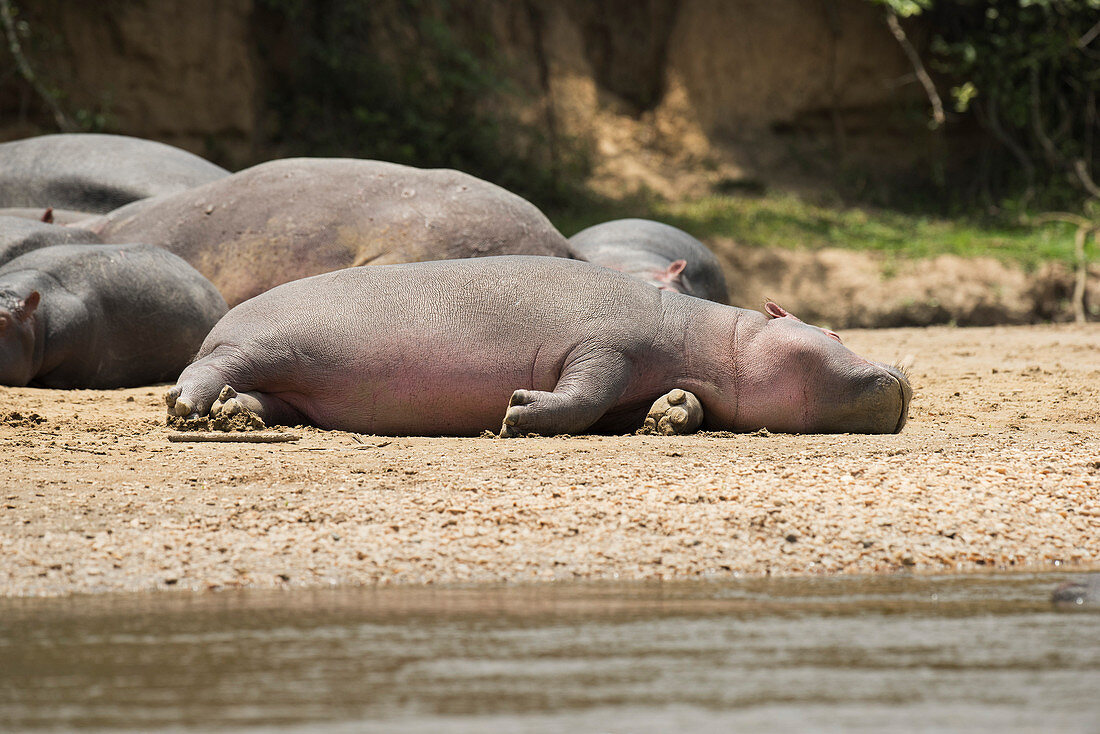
x,y
1023,76
439,96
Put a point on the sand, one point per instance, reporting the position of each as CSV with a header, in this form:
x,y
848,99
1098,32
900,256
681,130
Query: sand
x,y
999,468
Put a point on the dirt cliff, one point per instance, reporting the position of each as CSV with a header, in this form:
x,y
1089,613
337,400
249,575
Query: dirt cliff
x,y
667,95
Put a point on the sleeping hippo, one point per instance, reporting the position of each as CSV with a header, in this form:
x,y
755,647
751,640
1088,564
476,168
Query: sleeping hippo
x,y
288,219
548,345
657,253
19,236
101,316
96,173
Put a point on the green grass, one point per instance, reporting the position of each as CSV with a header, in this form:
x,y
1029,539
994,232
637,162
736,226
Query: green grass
x,y
782,220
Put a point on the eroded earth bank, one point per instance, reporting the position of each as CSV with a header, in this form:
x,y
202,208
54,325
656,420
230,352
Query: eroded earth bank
x,y
999,468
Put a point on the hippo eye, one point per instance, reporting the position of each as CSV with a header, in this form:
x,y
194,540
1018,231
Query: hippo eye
x,y
833,335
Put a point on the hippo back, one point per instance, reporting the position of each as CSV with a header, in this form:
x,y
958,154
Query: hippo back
x,y
641,247
19,236
95,173
293,218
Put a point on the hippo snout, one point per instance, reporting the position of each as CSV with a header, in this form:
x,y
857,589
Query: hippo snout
x,y
906,391
873,400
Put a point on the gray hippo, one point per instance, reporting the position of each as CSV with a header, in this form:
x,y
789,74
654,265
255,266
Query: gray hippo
x,y
549,345
101,316
90,172
19,236
1080,593
288,219
46,214
657,253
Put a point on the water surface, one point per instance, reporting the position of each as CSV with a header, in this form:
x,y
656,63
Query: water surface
x,y
874,654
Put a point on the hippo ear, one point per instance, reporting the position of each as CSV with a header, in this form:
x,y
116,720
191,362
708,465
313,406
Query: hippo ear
x,y
775,311
672,273
28,306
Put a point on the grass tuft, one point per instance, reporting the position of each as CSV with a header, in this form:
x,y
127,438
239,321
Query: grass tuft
x,y
784,220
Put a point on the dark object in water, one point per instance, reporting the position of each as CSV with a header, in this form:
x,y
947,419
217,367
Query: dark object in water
x,y
1084,592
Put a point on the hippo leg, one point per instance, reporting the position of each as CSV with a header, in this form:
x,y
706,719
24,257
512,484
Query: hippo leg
x,y
197,389
189,399
676,413
587,388
204,389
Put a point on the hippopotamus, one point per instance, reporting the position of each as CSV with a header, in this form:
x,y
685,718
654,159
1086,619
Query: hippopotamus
x,y
657,253
292,218
1079,593
47,214
95,173
19,236
527,345
101,316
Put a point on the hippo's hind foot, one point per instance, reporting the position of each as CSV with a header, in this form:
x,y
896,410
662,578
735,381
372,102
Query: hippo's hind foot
x,y
676,413
178,406
229,413
195,391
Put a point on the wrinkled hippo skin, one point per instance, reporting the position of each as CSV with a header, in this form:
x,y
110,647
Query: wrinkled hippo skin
x,y
101,316
19,236
548,345
657,253
289,219
90,172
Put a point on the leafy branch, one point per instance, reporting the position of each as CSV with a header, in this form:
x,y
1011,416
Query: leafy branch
x,y
918,68
7,19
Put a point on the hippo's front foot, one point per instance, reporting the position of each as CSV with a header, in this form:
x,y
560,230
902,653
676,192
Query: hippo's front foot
x,y
545,414
677,413
514,415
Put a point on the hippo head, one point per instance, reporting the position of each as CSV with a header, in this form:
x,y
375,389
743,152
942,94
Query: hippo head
x,y
17,338
800,378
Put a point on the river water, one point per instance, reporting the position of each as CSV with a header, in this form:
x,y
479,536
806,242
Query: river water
x,y
867,654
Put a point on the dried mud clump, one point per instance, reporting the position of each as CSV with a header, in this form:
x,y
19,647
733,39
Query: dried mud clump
x,y
244,421
17,419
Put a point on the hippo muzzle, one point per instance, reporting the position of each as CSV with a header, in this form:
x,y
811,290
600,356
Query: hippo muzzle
x,y
906,393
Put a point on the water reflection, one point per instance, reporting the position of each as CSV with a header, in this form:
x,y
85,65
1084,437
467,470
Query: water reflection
x,y
868,654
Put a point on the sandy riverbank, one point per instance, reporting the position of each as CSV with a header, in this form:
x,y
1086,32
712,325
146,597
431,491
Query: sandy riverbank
x,y
999,467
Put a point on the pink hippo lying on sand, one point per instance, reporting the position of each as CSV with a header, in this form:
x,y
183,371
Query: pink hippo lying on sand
x,y
524,345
